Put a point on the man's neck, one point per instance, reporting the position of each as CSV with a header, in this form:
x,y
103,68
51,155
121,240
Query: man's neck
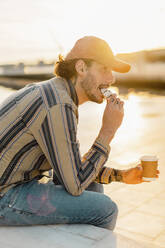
x,y
80,92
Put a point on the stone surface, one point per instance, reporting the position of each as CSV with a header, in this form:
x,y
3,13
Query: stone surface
x,y
160,240
153,207
64,236
142,223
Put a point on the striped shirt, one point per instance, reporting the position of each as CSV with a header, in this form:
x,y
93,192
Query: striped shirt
x,y
38,133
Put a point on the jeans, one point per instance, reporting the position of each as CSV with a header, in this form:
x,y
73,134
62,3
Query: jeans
x,y
36,203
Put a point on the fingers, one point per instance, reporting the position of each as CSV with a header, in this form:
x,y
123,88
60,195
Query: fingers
x,y
113,99
157,172
121,104
139,166
139,169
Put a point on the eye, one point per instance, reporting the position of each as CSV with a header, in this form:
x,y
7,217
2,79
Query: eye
x,y
107,69
104,69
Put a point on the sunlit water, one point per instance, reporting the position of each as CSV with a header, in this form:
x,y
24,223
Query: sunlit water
x,y
142,131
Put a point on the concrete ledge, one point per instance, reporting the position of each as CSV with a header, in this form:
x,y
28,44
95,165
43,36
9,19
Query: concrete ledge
x,y
63,236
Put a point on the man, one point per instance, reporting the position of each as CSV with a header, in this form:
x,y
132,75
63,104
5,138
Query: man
x,y
38,133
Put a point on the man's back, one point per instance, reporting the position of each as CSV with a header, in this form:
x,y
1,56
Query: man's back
x,y
21,158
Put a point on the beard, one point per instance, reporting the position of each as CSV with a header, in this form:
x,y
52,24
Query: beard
x,y
88,85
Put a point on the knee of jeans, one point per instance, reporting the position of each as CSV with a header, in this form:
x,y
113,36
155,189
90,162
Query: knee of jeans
x,y
113,213
108,212
112,207
116,210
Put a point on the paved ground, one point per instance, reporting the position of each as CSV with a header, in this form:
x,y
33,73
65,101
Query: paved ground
x,y
141,207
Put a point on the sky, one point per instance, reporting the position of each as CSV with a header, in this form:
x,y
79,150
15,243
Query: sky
x,y
41,29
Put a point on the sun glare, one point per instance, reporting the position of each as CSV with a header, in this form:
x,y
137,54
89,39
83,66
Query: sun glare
x,y
129,134
133,121
55,29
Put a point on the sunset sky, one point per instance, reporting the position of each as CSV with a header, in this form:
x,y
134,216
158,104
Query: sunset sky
x,y
40,29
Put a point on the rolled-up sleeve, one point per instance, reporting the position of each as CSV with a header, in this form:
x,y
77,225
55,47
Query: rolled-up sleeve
x,y
58,141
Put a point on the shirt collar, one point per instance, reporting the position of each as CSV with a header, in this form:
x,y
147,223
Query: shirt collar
x,y
72,92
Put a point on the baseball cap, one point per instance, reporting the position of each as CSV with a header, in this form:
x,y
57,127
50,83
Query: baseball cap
x,y
91,47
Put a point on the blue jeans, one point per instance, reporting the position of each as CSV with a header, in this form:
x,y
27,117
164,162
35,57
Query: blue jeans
x,y
35,203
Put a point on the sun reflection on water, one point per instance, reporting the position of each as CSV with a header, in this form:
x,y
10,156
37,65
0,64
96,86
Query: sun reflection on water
x,y
129,134
132,116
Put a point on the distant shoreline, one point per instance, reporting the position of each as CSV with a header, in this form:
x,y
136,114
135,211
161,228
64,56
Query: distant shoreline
x,y
17,83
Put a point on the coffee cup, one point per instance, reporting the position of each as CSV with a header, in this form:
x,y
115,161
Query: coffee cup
x,y
149,164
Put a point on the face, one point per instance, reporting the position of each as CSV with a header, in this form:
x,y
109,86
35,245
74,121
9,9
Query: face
x,y
97,77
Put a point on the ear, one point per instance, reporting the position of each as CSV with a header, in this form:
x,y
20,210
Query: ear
x,y
81,67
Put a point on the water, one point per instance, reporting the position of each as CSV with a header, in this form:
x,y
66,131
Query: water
x,y
142,131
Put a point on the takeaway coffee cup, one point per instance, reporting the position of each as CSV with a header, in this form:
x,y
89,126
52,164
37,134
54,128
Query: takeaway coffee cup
x,y
149,164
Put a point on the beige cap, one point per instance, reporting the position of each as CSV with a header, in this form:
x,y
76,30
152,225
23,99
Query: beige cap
x,y
91,47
